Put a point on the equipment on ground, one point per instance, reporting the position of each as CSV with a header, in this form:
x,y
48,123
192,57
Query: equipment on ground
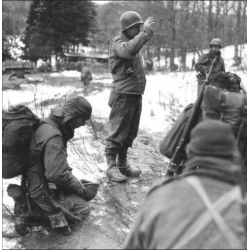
x,y
19,68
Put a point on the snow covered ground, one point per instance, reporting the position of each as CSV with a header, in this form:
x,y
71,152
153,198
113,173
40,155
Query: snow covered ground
x,y
164,91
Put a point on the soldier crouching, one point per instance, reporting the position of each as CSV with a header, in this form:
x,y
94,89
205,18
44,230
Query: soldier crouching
x,y
51,186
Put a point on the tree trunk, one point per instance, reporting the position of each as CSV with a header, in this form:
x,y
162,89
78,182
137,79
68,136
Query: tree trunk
x,y
173,35
238,32
210,21
225,11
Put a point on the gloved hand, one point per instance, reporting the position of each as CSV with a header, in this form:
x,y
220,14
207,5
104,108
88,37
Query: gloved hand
x,y
79,189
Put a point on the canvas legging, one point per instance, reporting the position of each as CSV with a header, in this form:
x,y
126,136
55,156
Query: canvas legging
x,y
124,120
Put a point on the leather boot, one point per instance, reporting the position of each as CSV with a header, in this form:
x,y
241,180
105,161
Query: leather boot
x,y
113,172
21,220
123,165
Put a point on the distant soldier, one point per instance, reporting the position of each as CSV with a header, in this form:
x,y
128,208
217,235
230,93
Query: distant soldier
x,y
86,76
126,93
202,208
204,62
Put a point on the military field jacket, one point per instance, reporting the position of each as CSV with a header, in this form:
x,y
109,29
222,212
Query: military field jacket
x,y
126,63
174,216
205,61
56,167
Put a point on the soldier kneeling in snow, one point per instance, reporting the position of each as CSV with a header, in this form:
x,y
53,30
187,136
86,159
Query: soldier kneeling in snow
x,y
51,186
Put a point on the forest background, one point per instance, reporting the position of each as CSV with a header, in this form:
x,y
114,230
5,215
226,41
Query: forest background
x,y
54,27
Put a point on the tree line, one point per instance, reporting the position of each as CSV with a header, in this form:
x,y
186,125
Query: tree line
x,y
180,26
54,27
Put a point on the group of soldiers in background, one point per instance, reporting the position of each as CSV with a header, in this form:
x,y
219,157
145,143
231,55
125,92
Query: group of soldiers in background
x,y
201,208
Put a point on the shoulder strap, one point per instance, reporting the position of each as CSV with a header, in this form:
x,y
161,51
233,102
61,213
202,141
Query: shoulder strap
x,y
212,213
222,105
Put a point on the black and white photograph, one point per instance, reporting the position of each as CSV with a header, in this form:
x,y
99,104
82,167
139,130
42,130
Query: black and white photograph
x,y
124,124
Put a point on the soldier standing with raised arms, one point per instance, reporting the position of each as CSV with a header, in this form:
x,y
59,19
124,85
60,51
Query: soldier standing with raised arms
x,y
126,92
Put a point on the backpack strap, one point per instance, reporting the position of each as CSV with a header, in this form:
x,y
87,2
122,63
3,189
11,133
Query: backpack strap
x,y
222,105
211,214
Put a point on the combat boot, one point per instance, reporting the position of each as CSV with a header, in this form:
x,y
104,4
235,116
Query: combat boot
x,y
21,219
123,165
113,172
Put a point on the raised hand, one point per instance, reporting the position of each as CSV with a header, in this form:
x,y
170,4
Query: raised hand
x,y
148,23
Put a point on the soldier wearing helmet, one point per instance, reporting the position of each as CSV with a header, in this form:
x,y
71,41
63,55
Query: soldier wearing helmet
x,y
126,92
204,62
204,207
53,133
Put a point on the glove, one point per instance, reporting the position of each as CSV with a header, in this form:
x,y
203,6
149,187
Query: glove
x,y
79,189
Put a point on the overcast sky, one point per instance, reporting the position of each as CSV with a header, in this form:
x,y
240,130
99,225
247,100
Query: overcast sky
x,y
101,2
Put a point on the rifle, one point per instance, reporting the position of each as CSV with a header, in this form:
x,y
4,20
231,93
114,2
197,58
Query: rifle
x,y
26,195
177,157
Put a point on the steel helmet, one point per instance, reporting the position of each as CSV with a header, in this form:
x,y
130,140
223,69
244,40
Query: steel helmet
x,y
215,41
130,18
91,189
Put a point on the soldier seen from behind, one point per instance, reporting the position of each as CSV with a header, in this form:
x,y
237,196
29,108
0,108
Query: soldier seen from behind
x,y
51,186
222,100
126,92
204,207
204,62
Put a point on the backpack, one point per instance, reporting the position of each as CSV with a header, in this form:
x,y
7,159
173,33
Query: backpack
x,y
169,144
17,125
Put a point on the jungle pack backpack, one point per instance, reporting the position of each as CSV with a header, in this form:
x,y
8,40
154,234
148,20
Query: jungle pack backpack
x,y
17,125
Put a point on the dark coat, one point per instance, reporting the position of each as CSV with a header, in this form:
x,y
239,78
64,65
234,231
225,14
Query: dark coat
x,y
174,216
126,63
56,167
205,61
